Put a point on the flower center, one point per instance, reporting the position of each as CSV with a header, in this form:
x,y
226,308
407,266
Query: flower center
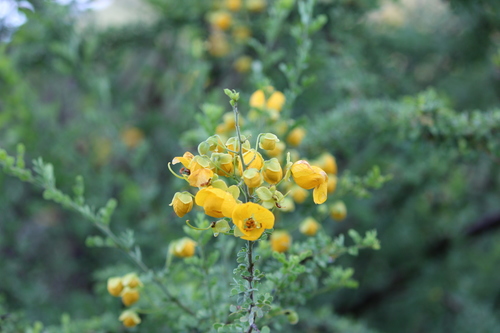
x,y
250,224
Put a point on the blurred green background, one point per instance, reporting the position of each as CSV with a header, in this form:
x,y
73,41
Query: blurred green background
x,y
412,86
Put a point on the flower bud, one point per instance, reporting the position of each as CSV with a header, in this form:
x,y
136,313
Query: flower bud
x,y
182,203
129,318
276,101
115,286
131,280
130,296
223,164
268,141
215,143
183,248
296,136
203,148
309,226
281,241
278,150
233,145
338,211
272,171
241,33
287,205
252,178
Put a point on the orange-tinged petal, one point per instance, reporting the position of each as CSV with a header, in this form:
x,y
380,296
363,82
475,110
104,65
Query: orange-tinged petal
x,y
185,159
216,202
200,177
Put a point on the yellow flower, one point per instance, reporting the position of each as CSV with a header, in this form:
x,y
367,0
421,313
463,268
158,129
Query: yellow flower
x,y
129,318
276,101
338,211
258,99
256,5
132,137
184,159
272,171
281,241
308,177
200,177
131,280
182,203
252,178
251,220
220,19
233,5
183,248
215,202
309,226
242,64
218,45
130,296
328,163
115,286
296,136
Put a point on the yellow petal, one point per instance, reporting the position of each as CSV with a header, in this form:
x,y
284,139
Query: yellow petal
x,y
320,193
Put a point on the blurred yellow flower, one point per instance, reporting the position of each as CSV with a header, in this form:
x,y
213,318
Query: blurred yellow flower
x,y
328,163
278,150
115,286
268,141
242,64
215,202
131,280
130,296
129,318
233,5
251,220
332,183
182,203
218,46
276,101
256,5
132,137
183,248
281,241
296,136
299,195
241,34
309,226
338,210
258,99
220,19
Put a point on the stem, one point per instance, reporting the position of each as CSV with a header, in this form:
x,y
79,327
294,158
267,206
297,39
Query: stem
x,y
240,150
250,282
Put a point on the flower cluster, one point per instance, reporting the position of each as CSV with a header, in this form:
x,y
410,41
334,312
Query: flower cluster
x,y
235,181
127,287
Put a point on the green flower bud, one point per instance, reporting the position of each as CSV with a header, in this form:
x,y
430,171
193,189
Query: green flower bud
x,y
268,141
